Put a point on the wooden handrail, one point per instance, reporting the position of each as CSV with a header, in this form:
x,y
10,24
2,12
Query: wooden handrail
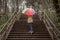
x,y
6,23
52,26
52,23
5,26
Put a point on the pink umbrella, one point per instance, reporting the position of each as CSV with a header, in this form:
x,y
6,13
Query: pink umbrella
x,y
29,12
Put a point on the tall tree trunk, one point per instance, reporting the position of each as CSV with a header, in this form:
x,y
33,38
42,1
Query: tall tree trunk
x,y
17,4
5,5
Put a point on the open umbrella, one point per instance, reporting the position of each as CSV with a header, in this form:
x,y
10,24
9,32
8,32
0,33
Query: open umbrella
x,y
28,12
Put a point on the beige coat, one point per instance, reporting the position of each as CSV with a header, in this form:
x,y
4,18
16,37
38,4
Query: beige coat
x,y
30,19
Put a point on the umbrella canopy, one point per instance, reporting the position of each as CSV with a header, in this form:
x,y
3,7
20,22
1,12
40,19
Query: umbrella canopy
x,y
29,12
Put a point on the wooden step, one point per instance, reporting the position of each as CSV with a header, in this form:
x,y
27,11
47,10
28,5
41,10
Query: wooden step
x,y
29,39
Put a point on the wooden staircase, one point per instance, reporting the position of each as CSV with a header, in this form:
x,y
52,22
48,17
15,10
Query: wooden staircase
x,y
21,28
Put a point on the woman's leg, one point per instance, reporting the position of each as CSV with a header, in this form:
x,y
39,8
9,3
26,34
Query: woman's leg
x,y
30,26
30,21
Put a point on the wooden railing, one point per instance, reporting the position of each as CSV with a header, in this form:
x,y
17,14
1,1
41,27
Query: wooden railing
x,y
7,27
52,29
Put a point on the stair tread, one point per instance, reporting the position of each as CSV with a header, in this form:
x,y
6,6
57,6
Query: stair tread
x,y
28,38
29,34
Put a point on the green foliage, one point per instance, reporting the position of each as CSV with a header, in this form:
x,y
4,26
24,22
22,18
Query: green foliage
x,y
59,23
4,18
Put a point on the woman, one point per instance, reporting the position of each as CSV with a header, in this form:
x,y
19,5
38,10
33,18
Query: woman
x,y
30,12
